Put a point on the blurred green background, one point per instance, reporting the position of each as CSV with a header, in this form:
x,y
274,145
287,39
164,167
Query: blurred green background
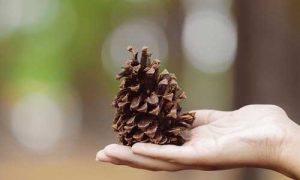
x,y
58,60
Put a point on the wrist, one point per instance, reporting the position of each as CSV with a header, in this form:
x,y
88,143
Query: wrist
x,y
289,156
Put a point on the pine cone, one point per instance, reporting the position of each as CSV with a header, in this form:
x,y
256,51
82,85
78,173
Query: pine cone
x,y
147,105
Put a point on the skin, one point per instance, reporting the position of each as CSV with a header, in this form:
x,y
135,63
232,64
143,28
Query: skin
x,y
254,136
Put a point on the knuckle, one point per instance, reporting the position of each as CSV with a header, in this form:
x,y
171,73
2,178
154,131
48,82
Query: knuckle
x,y
275,108
266,107
275,111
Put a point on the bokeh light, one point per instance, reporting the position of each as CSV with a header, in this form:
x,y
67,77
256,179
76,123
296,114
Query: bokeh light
x,y
137,33
209,36
37,122
209,41
28,14
196,5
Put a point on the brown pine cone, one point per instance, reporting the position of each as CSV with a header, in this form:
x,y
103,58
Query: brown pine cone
x,y
147,104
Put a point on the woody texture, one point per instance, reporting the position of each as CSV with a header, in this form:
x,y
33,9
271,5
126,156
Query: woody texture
x,y
147,104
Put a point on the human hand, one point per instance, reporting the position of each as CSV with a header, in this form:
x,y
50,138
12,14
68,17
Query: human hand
x,y
255,135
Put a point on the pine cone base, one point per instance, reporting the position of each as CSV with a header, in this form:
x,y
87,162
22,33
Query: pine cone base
x,y
147,104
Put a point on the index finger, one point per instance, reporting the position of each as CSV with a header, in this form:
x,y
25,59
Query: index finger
x,y
206,116
170,153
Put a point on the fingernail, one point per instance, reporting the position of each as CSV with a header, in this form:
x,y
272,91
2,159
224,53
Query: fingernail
x,y
102,157
111,149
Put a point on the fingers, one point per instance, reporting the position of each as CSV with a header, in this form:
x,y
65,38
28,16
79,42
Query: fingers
x,y
123,155
203,117
102,157
170,153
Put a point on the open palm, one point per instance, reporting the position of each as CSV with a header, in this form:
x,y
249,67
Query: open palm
x,y
250,136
